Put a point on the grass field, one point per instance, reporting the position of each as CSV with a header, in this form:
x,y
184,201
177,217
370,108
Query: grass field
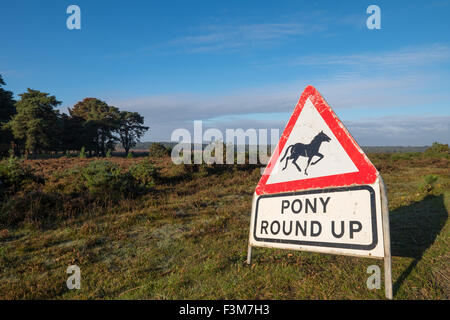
x,y
187,239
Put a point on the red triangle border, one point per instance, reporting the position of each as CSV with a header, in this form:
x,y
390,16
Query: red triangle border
x,y
367,173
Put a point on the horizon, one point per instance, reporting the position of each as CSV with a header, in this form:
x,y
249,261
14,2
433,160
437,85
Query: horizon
x,y
241,65
205,143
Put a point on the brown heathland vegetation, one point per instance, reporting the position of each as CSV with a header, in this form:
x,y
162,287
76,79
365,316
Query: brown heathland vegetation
x,y
183,234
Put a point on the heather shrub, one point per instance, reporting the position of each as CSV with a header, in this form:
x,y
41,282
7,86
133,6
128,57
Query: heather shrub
x,y
34,206
144,174
157,150
438,150
16,176
40,207
428,183
70,192
103,178
70,182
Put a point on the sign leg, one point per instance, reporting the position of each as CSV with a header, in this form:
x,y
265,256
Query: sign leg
x,y
387,242
249,250
249,255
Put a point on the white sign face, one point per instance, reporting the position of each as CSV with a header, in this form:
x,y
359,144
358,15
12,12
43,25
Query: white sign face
x,y
335,220
307,127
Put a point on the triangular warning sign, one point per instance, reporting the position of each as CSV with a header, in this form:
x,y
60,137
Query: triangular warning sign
x,y
315,151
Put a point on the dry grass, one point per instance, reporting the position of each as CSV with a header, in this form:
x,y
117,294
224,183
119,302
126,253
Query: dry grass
x,y
187,239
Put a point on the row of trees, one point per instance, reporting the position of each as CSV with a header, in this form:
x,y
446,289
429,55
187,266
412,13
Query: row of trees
x,y
33,126
7,110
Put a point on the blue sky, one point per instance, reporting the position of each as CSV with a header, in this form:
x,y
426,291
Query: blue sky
x,y
240,64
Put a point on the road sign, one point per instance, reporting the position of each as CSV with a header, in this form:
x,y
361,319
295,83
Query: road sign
x,y
319,191
315,151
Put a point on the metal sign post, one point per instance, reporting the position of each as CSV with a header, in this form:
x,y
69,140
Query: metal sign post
x,y
249,249
387,241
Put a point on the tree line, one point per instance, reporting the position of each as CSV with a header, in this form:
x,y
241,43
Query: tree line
x,y
32,125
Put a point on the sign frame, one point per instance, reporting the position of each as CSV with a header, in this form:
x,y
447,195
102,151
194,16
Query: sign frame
x,y
367,177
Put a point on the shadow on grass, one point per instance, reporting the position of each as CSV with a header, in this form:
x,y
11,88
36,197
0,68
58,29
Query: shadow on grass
x,y
414,229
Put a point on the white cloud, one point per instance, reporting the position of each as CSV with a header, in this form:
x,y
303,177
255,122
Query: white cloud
x,y
401,130
405,57
232,37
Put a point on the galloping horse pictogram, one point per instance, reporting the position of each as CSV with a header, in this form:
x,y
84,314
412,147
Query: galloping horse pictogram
x,y
306,150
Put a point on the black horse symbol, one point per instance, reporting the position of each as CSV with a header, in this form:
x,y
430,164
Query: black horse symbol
x,y
306,150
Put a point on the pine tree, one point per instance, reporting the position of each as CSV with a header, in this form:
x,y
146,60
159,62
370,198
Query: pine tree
x,y
7,110
36,123
130,129
100,121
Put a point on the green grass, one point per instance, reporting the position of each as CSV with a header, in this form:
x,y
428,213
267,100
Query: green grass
x,y
187,239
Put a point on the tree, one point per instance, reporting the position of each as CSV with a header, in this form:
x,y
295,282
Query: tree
x,y
130,129
7,110
101,121
72,133
36,123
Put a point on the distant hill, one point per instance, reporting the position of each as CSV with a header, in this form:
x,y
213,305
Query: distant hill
x,y
393,149
368,149
147,144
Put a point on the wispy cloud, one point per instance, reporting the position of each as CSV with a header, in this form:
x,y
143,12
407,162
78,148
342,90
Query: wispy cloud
x,y
405,57
401,130
232,37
